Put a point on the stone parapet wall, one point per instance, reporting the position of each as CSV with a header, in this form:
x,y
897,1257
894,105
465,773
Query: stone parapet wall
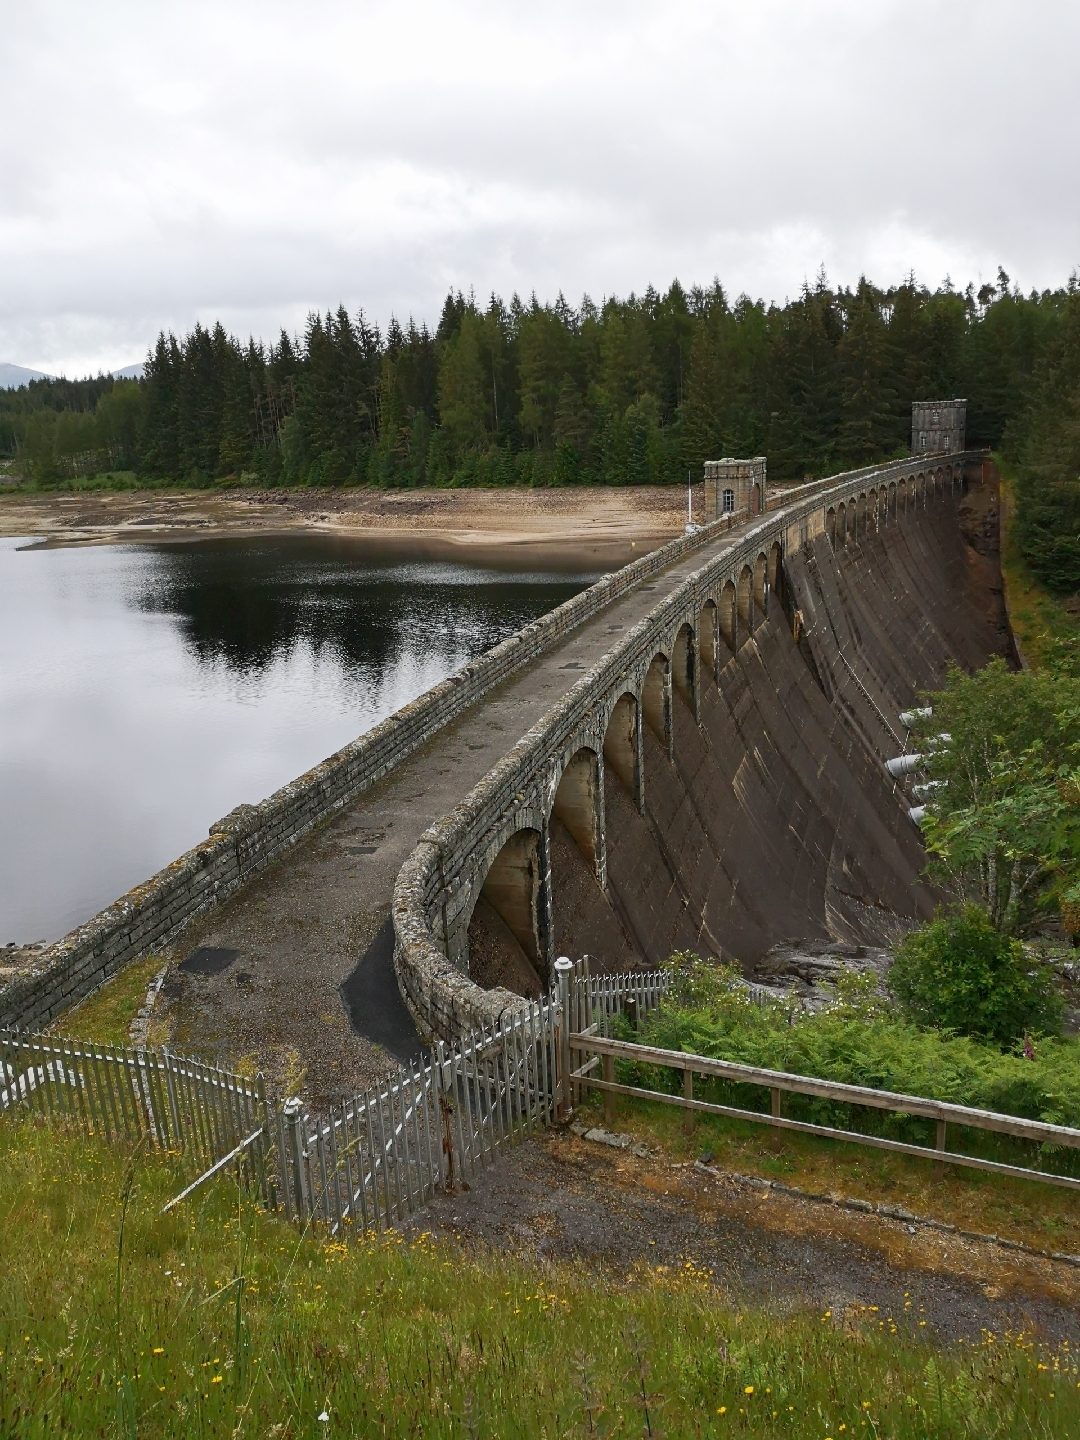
x,y
438,883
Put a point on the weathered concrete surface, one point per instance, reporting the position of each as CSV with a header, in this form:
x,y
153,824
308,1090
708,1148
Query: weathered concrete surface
x,y
774,817
302,925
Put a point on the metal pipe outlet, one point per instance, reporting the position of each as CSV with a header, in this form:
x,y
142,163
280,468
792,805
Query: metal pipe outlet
x,y
903,765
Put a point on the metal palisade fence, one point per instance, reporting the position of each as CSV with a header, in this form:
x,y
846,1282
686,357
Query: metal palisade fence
x,y
368,1162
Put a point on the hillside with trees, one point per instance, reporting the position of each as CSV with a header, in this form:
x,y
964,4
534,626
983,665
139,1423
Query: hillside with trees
x,y
632,391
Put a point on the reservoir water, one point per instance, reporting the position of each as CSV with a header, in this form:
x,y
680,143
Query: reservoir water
x,y
147,690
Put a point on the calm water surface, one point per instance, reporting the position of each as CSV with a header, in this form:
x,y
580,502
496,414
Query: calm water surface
x,y
145,691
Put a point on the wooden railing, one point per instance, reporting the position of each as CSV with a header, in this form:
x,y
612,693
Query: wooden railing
x,y
605,1050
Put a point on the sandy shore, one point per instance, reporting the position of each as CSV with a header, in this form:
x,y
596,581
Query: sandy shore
x,y
555,528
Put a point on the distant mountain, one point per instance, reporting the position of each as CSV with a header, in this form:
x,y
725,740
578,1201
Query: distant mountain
x,y
129,372
12,376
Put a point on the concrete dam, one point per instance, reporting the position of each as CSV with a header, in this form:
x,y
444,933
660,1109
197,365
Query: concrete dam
x,y
689,755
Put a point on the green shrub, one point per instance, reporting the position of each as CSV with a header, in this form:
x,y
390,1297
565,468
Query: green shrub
x,y
960,973
859,1042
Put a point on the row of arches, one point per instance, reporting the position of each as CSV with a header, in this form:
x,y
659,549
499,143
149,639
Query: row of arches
x,y
517,882
880,505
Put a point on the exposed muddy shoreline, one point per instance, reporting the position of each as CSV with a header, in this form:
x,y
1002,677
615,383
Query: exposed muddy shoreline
x,y
594,528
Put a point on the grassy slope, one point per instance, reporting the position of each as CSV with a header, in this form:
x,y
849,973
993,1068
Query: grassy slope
x,y
1037,617
396,1339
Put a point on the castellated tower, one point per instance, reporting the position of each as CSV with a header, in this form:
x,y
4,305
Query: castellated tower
x,y
734,486
938,425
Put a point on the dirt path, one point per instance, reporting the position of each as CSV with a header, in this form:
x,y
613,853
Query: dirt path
x,y
564,528
562,1199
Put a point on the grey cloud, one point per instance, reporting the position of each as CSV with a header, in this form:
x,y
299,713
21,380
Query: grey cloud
x,y
186,161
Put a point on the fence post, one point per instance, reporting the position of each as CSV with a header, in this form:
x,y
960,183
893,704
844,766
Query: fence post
x,y
563,968
294,1144
940,1166
631,1012
609,1098
688,1094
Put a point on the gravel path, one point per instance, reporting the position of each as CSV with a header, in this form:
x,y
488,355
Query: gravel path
x,y
560,1199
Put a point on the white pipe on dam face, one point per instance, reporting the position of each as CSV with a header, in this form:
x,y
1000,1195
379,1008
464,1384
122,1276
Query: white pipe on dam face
x,y
909,717
903,765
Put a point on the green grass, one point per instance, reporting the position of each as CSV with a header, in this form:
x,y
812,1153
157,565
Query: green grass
x,y
216,1320
107,1015
1038,618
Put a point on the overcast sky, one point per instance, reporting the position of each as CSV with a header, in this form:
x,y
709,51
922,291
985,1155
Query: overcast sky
x,y
163,163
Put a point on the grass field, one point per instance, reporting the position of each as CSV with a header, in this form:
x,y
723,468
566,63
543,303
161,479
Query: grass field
x,y
106,1015
216,1320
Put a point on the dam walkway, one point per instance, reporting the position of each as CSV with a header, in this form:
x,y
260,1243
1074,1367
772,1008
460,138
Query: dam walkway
x,y
294,972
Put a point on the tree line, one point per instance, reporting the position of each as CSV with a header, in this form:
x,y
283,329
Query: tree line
x,y
634,391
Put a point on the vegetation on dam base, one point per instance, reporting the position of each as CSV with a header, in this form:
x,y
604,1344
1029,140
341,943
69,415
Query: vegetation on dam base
x,y
215,1320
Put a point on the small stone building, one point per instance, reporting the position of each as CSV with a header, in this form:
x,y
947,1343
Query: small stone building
x,y
734,486
938,425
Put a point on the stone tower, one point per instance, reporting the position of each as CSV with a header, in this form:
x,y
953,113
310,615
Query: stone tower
x,y
937,425
734,486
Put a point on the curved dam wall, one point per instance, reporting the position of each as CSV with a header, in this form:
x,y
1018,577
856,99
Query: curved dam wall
x,y
717,782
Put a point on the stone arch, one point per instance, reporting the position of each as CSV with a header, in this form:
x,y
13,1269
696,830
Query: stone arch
x,y
939,482
745,591
728,614
872,511
841,523
510,911
776,561
860,515
579,804
622,744
684,666
761,583
755,499
891,502
920,490
830,525
656,700
708,638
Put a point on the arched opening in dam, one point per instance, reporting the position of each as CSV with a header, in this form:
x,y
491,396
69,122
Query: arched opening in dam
x,y
759,810
506,946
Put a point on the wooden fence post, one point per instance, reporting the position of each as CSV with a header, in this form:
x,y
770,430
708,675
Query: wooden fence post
x,y
940,1166
688,1094
609,1098
563,968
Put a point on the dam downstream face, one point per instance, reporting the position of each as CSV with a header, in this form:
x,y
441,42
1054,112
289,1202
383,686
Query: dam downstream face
x,y
147,690
769,816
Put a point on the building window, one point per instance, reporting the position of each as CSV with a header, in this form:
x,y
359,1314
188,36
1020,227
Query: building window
x,y
728,502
